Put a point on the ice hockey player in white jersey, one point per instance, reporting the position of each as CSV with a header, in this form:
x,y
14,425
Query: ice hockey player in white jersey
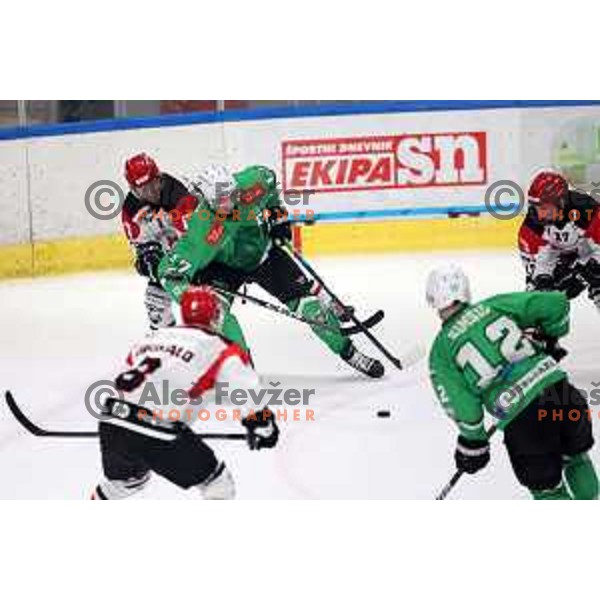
x,y
154,217
136,440
559,239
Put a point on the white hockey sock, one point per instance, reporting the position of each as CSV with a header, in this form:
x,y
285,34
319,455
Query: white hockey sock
x,y
117,489
220,486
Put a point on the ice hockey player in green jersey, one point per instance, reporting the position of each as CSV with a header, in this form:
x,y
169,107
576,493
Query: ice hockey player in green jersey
x,y
500,356
236,237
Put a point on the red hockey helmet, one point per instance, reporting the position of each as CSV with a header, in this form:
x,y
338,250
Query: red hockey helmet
x,y
140,170
202,307
548,187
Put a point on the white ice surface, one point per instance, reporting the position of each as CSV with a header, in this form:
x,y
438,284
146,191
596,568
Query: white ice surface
x,y
61,334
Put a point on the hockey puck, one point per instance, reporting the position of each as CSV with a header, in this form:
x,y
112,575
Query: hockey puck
x,y
384,414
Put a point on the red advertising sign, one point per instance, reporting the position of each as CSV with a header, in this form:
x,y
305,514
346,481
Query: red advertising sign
x,y
412,160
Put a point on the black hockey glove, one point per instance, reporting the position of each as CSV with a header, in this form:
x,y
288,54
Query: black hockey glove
x,y
555,350
543,283
569,281
262,429
591,273
547,344
280,227
148,258
471,455
281,231
571,285
567,278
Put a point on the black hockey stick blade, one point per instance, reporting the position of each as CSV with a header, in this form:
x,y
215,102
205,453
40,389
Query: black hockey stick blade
x,y
38,431
369,322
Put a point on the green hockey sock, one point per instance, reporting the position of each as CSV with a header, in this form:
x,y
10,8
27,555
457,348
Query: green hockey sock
x,y
312,308
581,477
558,493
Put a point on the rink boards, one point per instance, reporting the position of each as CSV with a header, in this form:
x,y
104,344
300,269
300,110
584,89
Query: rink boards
x,y
377,177
112,252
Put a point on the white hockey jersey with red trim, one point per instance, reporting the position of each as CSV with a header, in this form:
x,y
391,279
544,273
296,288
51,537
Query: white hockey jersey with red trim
x,y
176,367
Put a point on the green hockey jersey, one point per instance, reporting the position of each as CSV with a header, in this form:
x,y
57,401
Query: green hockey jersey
x,y
481,359
239,240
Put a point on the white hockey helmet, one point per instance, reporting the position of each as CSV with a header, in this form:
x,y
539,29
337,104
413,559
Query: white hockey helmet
x,y
447,285
216,184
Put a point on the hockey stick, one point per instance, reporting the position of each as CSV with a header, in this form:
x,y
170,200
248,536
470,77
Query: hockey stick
x,y
352,330
300,259
38,431
456,477
369,322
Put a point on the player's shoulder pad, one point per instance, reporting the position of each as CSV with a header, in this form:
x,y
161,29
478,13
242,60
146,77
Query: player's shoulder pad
x,y
498,301
131,206
172,191
530,237
581,200
532,221
508,302
586,206
234,349
130,209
